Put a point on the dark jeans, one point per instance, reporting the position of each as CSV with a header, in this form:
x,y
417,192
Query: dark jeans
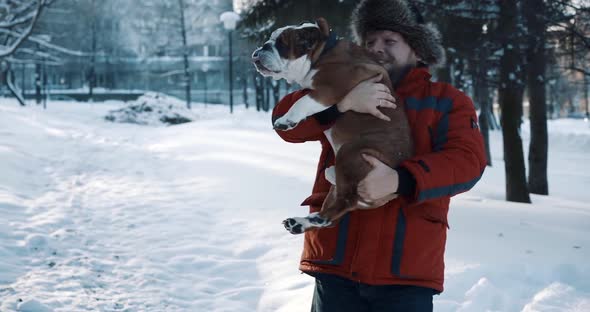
x,y
336,294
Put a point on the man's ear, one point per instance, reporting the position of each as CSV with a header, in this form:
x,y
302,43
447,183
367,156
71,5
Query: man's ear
x,y
324,27
417,57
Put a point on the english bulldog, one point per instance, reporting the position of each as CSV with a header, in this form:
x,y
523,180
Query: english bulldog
x,y
312,56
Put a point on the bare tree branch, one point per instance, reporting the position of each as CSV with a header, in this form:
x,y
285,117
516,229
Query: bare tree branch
x,y
24,34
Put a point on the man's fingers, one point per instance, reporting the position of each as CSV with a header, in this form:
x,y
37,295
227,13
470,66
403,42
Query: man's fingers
x,y
370,158
380,115
363,193
382,201
372,161
386,103
382,87
376,78
361,189
385,95
391,98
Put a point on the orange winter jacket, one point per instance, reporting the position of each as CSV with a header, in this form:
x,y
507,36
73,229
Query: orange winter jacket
x,y
402,242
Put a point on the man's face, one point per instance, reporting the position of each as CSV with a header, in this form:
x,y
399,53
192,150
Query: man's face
x,y
391,50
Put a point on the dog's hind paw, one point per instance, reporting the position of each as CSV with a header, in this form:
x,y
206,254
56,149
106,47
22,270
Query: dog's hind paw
x,y
300,225
315,220
293,226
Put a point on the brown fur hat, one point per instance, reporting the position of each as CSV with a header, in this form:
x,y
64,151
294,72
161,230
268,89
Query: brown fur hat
x,y
400,17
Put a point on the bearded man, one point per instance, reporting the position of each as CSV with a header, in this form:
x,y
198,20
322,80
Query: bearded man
x,y
391,258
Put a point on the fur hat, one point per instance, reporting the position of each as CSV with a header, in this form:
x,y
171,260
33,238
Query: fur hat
x,y
403,18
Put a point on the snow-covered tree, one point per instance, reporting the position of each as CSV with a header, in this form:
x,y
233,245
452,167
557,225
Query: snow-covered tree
x,y
175,29
17,21
260,18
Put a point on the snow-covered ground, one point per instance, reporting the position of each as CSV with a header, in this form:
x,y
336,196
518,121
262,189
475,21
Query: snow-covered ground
x,y
100,216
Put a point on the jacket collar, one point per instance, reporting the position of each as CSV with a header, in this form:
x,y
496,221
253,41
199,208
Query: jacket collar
x,y
412,79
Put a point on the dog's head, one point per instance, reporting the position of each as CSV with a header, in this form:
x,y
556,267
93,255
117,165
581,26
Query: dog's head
x,y
291,50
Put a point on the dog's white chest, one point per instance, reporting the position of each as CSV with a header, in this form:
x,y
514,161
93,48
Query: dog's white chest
x,y
328,134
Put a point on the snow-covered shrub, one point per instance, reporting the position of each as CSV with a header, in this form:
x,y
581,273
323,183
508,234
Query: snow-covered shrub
x,y
153,109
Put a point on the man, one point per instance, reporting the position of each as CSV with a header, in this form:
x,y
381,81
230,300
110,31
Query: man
x,y
391,258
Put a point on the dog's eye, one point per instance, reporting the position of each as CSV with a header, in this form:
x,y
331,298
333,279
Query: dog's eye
x,y
280,46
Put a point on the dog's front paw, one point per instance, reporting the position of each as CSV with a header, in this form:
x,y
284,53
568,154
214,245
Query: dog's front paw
x,y
293,226
284,124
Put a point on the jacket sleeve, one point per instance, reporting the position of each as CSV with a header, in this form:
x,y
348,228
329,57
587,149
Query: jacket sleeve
x,y
458,158
311,129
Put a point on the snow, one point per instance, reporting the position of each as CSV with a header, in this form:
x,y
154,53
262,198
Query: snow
x,y
229,19
107,216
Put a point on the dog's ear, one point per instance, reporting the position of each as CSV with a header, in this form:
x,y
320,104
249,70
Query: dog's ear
x,y
324,27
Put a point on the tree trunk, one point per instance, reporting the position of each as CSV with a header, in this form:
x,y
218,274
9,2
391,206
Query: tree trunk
x,y
551,108
510,95
276,87
586,95
536,88
245,88
92,72
491,115
23,74
259,91
38,97
266,94
187,75
45,84
458,74
482,96
8,77
443,74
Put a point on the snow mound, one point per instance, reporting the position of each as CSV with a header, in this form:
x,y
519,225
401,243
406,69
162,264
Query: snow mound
x,y
558,297
153,109
483,296
33,306
38,243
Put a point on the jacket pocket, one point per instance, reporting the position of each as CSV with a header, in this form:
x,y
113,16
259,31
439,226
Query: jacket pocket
x,y
418,248
434,211
327,245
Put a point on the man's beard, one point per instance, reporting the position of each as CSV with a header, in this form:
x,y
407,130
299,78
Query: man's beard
x,y
398,72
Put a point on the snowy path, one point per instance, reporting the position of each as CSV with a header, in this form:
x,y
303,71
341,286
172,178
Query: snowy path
x,y
146,218
97,216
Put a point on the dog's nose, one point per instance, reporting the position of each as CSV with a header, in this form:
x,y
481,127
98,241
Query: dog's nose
x,y
256,55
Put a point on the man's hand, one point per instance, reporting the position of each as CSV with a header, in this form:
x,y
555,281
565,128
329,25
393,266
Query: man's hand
x,y
380,184
367,97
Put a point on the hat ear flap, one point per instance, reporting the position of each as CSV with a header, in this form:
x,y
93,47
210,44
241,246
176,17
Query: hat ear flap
x,y
323,25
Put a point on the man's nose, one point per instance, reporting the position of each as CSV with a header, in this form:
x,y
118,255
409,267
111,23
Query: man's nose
x,y
377,48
